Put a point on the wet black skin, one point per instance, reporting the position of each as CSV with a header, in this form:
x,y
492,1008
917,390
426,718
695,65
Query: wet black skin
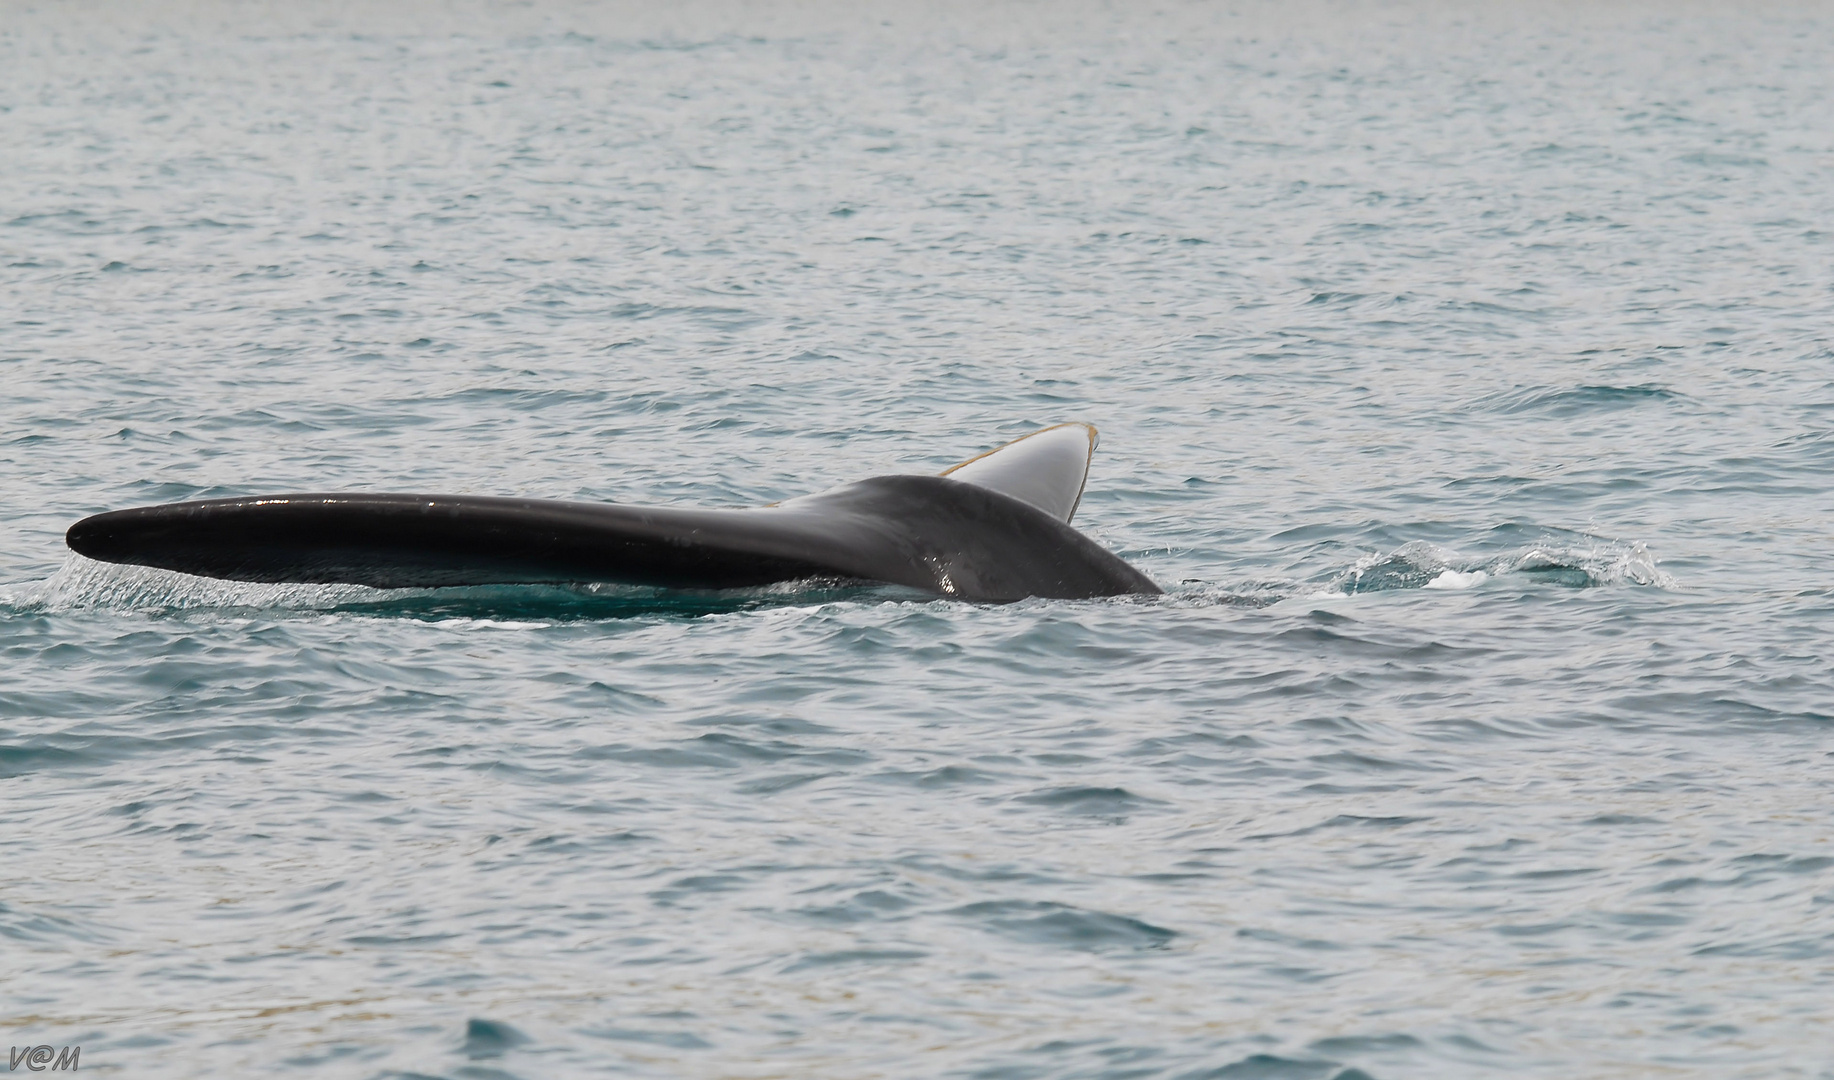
x,y
927,532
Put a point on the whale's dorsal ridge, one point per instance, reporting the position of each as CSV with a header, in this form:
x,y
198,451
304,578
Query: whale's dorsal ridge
x,y
993,528
1046,469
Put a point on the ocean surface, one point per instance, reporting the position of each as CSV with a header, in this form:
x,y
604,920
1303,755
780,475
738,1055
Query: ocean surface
x,y
1465,373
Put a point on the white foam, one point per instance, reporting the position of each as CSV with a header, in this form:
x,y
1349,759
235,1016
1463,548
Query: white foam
x,y
1454,579
491,624
85,583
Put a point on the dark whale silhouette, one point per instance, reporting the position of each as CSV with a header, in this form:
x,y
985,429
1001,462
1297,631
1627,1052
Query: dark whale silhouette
x,y
996,527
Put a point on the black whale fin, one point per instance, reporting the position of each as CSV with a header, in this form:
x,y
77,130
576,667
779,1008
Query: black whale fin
x,y
967,540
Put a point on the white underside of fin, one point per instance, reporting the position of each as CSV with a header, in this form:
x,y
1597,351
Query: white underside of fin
x,y
1046,469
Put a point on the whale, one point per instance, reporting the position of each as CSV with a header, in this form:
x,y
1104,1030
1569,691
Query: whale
x,y
994,528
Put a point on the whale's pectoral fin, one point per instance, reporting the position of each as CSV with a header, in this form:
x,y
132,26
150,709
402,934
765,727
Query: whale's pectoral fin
x,y
1046,469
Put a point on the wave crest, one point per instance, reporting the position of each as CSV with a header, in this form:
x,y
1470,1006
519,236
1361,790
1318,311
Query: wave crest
x,y
1582,563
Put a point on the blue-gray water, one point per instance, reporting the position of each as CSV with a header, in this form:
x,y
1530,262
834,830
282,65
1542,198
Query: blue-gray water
x,y
1466,375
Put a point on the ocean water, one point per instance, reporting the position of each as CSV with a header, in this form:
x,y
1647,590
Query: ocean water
x,y
1465,373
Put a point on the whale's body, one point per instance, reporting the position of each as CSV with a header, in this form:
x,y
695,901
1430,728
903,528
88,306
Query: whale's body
x,y
993,528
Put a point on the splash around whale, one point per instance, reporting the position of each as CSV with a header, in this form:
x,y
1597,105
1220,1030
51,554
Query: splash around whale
x,y
993,528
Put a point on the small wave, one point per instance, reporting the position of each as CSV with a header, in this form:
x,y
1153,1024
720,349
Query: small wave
x,y
1411,566
1061,926
83,584
493,624
1582,563
1606,563
1574,400
1246,594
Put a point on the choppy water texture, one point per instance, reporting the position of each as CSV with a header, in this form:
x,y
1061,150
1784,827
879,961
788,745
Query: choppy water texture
x,y
1466,375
